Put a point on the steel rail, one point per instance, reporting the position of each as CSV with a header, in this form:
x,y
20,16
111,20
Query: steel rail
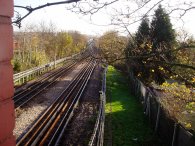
x,y
62,127
51,111
30,93
28,72
31,86
43,124
38,81
64,113
55,116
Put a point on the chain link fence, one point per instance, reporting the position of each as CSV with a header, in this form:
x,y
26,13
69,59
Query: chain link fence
x,y
169,131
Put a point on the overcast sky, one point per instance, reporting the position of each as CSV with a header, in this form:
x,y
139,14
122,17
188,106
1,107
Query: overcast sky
x,y
99,23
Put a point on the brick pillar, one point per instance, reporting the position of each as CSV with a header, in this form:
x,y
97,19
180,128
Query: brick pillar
x,y
7,118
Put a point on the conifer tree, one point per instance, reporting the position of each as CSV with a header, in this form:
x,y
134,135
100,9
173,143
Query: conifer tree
x,y
162,33
143,33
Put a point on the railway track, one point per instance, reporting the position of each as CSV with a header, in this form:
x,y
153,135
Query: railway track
x,y
22,97
39,80
50,127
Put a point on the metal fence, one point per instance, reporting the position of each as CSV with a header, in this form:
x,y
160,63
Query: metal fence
x,y
22,77
97,137
170,132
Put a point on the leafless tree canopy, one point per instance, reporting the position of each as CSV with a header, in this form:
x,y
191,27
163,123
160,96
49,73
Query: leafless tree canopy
x,y
123,12
91,7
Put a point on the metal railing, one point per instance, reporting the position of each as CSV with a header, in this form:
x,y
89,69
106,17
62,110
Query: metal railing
x,y
97,137
22,77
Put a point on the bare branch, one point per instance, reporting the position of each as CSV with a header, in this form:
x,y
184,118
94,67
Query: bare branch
x,y
175,64
155,54
181,9
92,8
30,9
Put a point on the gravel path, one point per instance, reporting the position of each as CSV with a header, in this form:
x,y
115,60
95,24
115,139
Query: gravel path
x,y
27,114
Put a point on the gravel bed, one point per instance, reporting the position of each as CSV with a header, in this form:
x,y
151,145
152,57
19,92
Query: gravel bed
x,y
80,128
26,115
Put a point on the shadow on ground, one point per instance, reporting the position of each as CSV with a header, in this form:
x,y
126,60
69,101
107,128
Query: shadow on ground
x,y
126,124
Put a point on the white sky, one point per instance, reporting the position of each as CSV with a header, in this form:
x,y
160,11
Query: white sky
x,y
66,20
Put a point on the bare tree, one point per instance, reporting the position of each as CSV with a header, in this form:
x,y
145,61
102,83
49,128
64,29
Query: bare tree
x,y
93,7
123,14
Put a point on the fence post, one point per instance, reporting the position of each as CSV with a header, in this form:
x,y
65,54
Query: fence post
x,y
148,107
145,101
157,117
174,134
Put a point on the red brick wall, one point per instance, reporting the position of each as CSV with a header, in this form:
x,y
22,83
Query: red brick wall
x,y
7,118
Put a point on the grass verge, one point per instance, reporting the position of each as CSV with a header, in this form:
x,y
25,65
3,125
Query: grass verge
x,y
125,124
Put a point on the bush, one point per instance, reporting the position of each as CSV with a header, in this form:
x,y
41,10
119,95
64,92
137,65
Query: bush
x,y
16,66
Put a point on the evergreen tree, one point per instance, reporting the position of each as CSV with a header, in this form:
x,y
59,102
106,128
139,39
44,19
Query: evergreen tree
x,y
163,40
162,33
143,33
142,43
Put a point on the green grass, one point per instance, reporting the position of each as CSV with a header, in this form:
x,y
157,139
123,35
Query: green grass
x,y
126,125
